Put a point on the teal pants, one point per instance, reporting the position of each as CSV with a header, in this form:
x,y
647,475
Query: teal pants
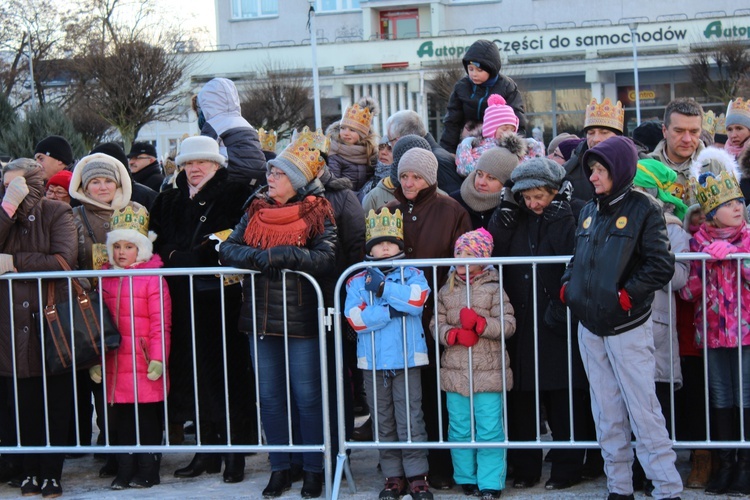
x,y
485,467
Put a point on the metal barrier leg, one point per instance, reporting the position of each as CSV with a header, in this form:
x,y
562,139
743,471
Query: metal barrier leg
x,y
343,467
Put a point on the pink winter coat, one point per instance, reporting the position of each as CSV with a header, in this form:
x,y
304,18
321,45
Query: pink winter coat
x,y
148,334
721,291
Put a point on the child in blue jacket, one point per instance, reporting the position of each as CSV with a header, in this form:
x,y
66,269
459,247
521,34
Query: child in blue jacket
x,y
382,305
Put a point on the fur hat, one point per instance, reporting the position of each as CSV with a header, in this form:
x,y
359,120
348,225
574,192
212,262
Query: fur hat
x,y
142,148
62,179
200,147
131,225
498,113
557,140
56,147
537,173
478,243
421,162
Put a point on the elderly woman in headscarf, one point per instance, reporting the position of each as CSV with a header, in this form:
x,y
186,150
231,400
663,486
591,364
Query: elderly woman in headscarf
x,y
206,201
287,225
33,230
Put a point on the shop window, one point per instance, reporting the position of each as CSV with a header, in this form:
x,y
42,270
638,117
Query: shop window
x,y
254,8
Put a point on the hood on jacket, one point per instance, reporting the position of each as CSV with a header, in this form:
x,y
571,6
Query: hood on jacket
x,y
486,54
123,193
619,156
220,103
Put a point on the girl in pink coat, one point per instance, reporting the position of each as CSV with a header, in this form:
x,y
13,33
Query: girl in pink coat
x,y
135,371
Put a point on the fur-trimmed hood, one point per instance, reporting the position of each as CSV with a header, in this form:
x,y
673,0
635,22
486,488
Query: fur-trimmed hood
x,y
744,161
143,242
714,160
122,194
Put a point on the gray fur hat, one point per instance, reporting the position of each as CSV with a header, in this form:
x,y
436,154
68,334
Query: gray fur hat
x,y
536,173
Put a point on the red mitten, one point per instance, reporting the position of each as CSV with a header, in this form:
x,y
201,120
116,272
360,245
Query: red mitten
x,y
452,336
468,318
467,338
481,325
562,293
624,300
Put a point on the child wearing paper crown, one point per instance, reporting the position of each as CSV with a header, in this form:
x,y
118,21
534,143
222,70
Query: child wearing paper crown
x,y
470,95
144,347
382,305
476,325
724,232
354,147
499,129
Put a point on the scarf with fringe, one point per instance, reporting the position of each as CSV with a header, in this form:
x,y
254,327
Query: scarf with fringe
x,y
270,225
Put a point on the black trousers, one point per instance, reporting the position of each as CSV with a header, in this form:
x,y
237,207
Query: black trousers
x,y
150,422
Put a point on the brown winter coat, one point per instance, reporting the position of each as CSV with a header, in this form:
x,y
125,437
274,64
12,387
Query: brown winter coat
x,y
40,229
487,353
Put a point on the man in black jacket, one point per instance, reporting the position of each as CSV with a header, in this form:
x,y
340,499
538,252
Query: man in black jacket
x,y
622,257
144,165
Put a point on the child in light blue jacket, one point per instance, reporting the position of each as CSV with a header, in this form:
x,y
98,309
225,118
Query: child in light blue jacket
x,y
384,306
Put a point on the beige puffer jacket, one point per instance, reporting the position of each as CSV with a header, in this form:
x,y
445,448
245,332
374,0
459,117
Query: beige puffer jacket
x,y
487,353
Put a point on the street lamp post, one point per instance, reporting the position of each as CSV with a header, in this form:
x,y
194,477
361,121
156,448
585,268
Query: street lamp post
x,y
314,46
633,30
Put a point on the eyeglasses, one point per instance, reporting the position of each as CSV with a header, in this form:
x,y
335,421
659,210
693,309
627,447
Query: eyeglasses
x,y
557,155
276,174
382,147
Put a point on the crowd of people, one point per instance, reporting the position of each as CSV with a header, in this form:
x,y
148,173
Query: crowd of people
x,y
597,345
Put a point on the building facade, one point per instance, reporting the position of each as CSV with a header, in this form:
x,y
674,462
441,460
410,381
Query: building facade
x,y
560,53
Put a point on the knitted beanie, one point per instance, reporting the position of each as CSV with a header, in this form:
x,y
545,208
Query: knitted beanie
x,y
142,148
403,145
738,113
100,167
421,162
62,179
478,243
649,133
497,113
498,162
537,173
56,147
557,140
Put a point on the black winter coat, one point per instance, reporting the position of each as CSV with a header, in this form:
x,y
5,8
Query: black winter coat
x,y
447,176
150,176
621,243
529,234
578,175
469,101
246,161
317,258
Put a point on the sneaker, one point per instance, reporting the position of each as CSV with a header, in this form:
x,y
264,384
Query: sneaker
x,y
30,487
419,488
51,488
395,487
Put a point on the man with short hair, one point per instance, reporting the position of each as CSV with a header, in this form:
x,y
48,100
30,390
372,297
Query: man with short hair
x,y
54,154
144,165
683,120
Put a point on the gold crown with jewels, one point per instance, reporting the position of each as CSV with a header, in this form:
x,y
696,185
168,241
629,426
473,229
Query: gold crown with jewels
x,y
126,218
304,152
384,225
709,122
717,191
721,125
357,118
605,114
267,140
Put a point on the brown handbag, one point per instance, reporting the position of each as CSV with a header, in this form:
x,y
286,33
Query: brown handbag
x,y
81,345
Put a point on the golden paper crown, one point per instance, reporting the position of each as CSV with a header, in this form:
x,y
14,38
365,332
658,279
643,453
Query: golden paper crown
x,y
605,114
126,218
709,122
267,140
304,152
383,225
718,190
721,125
738,112
357,118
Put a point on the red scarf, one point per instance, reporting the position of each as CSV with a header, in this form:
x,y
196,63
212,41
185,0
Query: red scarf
x,y
270,225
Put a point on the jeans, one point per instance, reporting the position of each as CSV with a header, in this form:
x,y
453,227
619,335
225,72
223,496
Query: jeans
x,y
305,395
724,378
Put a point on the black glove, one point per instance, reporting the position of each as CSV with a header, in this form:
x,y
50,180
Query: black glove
x,y
561,202
507,211
394,313
261,260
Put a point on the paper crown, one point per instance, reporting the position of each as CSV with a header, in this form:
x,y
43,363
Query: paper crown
x,y
267,140
721,182
738,112
604,115
304,152
721,125
126,218
709,122
357,118
383,225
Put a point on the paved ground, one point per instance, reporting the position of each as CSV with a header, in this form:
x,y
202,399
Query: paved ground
x,y
81,480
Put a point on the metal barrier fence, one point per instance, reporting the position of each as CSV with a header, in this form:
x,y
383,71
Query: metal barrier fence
x,y
333,482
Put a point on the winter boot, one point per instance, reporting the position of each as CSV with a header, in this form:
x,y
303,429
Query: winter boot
x,y
148,470
740,485
700,469
725,430
126,465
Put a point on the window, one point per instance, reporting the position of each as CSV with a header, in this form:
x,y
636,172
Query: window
x,y
334,5
254,8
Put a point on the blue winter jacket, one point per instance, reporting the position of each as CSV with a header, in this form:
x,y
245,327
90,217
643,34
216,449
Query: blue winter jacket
x,y
372,318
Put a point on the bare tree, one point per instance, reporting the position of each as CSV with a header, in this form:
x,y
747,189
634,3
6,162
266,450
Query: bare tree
x,y
278,99
723,72
447,73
